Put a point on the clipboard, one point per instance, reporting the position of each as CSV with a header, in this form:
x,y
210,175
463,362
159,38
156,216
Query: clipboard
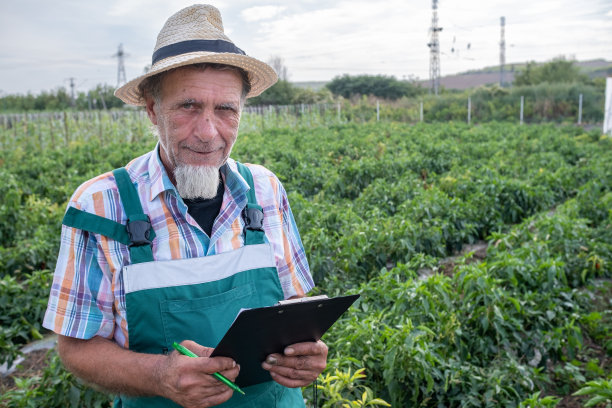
x,y
258,332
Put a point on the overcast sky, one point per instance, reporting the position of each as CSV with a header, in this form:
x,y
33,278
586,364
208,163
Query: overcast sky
x,y
46,42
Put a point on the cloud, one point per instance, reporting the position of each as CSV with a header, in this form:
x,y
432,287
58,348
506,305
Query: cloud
x,y
139,11
352,37
126,8
260,13
317,39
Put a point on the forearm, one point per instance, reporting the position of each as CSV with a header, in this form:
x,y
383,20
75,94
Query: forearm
x,y
102,362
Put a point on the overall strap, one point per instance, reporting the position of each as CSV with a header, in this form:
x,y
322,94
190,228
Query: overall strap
x,y
252,213
138,226
96,224
89,222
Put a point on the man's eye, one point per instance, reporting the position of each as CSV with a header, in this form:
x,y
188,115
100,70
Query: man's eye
x,y
189,104
226,108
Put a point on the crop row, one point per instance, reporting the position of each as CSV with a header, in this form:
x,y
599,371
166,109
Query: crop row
x,y
375,205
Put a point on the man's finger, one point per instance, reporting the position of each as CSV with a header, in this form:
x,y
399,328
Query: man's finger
x,y
306,348
291,382
207,364
231,374
197,348
217,364
300,363
294,373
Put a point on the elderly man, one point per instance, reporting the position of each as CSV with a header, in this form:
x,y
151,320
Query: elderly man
x,y
172,246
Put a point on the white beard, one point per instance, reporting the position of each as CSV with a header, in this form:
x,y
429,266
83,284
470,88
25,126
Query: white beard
x,y
196,181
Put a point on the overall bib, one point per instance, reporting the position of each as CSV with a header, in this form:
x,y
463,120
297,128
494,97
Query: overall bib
x,y
192,299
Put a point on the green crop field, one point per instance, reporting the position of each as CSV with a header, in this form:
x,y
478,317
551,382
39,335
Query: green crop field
x,y
389,211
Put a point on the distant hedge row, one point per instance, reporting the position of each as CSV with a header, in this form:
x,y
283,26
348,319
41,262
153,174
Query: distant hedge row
x,y
542,103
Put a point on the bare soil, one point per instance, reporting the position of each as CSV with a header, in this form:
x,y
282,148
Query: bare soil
x,y
479,253
33,364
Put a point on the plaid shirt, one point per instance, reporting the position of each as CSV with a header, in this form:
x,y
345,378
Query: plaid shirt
x,y
87,296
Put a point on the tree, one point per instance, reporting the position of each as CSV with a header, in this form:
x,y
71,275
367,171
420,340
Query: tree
x,y
101,97
559,70
281,93
284,93
380,85
105,96
309,96
280,68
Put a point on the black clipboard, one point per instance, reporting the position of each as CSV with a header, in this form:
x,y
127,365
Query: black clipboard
x,y
258,332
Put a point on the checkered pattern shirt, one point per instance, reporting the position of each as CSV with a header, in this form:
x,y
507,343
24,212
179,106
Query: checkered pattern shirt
x,y
87,295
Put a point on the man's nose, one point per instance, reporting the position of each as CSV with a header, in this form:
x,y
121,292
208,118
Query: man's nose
x,y
206,130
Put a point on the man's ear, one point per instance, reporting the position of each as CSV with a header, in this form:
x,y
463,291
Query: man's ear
x,y
150,106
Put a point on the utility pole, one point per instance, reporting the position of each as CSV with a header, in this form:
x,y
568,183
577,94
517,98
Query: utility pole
x,y
72,101
502,52
434,51
121,79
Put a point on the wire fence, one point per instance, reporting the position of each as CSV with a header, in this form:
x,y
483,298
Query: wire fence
x,y
51,129
54,129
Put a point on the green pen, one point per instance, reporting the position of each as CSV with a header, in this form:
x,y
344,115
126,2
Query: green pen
x,y
186,352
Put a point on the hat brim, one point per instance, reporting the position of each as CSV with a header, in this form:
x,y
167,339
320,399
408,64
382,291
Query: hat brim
x,y
261,75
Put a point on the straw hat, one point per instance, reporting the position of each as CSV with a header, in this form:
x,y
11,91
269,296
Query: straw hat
x,y
194,35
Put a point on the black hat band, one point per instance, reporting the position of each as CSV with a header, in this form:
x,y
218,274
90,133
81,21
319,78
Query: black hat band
x,y
185,47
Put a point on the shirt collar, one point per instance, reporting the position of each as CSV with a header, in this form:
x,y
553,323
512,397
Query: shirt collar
x,y
234,182
160,181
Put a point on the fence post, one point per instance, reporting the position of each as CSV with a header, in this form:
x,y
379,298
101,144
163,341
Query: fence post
x,y
421,111
100,133
38,119
607,124
377,111
52,131
66,128
339,112
5,132
522,104
469,109
26,127
263,119
580,109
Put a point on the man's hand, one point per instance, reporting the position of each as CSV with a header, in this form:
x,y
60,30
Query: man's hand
x,y
300,364
189,382
186,380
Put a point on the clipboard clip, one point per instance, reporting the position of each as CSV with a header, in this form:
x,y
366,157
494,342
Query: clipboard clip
x,y
302,300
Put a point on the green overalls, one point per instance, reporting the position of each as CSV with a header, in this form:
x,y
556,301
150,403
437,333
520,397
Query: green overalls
x,y
191,299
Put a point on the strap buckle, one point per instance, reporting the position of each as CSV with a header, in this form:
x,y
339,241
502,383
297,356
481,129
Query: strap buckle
x,y
139,232
253,219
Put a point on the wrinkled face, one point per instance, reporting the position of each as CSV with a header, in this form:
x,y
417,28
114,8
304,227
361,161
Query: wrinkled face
x,y
197,116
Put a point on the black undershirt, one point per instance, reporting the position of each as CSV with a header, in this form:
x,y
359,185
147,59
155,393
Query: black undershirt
x,y
205,211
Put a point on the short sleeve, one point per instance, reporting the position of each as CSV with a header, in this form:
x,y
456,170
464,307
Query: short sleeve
x,y
294,270
81,298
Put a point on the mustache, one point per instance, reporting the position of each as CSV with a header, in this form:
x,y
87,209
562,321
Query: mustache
x,y
203,147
